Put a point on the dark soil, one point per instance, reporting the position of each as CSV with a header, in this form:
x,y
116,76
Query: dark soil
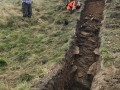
x,y
83,51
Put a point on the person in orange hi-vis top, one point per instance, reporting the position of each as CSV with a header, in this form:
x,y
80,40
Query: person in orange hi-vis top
x,y
73,5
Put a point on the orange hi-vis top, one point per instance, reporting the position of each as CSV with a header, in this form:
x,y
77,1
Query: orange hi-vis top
x,y
70,5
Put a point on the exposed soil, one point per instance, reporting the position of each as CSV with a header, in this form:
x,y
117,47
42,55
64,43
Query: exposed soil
x,y
79,69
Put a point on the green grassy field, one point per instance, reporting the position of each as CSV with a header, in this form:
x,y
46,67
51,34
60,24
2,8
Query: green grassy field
x,y
110,34
30,47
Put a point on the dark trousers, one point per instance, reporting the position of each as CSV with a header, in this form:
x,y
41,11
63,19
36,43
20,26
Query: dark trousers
x,y
27,9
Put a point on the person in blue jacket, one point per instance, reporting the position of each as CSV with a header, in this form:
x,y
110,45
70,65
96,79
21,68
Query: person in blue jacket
x,y
27,8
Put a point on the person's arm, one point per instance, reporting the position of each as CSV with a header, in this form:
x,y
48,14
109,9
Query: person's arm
x,y
74,6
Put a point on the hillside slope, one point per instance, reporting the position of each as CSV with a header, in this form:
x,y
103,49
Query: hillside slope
x,y
30,47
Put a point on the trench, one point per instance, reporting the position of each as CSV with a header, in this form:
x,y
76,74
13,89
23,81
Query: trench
x,y
83,51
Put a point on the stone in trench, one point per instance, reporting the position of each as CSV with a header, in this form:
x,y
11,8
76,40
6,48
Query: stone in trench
x,y
90,39
80,75
85,33
90,16
83,26
92,69
74,68
94,19
87,18
76,50
96,51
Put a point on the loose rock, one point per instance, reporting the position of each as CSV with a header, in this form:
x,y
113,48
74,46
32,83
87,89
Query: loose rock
x,y
96,51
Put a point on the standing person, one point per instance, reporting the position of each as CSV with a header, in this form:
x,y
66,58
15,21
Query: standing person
x,y
27,8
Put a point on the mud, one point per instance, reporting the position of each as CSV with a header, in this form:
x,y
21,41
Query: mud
x,y
82,58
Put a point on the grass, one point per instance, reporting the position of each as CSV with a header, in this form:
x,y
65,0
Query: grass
x,y
2,63
110,48
30,47
110,35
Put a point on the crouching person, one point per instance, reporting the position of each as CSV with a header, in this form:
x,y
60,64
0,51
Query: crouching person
x,y
73,5
27,8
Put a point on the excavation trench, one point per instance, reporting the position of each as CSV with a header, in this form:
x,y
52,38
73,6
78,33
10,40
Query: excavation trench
x,y
83,52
